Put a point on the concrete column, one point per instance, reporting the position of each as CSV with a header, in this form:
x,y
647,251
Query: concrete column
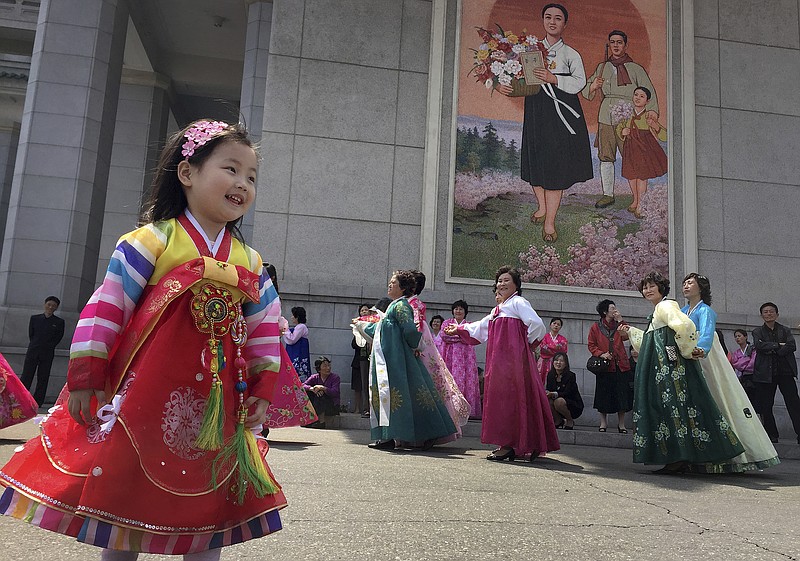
x,y
139,133
254,80
58,192
9,139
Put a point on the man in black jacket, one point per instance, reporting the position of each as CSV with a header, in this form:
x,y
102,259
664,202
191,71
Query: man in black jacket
x,y
45,331
775,367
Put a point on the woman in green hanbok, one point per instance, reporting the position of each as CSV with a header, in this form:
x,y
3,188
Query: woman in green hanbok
x,y
404,402
676,421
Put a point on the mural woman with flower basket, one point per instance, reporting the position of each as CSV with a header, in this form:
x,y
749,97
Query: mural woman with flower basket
x,y
555,140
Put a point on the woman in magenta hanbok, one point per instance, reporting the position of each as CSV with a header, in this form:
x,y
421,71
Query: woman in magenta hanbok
x,y
516,411
551,344
460,359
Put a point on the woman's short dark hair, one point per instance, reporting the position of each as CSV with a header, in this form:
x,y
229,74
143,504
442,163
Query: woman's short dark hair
x,y
704,284
742,331
419,279
603,305
553,362
319,361
364,305
437,316
656,278
299,312
558,319
460,304
560,7
406,281
515,276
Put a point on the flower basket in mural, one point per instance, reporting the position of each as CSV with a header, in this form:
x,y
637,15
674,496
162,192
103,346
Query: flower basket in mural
x,y
498,60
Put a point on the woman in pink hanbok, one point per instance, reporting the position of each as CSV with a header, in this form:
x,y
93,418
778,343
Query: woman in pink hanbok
x,y
16,402
457,406
551,344
516,411
460,359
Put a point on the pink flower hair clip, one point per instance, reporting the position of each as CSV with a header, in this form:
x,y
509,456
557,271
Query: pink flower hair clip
x,y
199,134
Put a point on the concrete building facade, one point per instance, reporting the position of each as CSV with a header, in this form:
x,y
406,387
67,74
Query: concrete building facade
x,y
352,102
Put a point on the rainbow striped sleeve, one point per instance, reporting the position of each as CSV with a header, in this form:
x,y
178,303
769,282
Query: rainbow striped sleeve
x,y
262,350
111,306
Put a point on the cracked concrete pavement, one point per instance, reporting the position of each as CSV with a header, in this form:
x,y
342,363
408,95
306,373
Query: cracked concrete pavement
x,y
349,502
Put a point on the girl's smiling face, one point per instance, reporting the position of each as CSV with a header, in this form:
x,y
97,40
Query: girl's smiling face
x,y
639,99
222,188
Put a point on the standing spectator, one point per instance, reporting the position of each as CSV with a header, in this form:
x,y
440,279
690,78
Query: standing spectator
x,y
551,344
45,331
566,402
436,325
743,360
516,411
612,393
323,389
296,341
460,359
360,367
775,368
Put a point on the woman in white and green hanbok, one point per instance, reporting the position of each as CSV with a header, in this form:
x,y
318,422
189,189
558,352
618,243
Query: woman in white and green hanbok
x,y
676,421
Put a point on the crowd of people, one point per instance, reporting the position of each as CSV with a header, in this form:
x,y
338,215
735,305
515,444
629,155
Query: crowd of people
x,y
158,448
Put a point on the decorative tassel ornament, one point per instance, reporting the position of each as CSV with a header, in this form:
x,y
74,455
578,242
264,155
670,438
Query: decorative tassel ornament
x,y
210,436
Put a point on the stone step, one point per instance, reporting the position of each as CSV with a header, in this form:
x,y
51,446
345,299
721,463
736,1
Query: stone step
x,y
582,435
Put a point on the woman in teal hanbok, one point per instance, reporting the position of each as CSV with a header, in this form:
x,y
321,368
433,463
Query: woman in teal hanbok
x,y
404,403
676,421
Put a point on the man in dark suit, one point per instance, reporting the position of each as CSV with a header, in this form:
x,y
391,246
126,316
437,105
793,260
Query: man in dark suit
x,y
45,331
775,368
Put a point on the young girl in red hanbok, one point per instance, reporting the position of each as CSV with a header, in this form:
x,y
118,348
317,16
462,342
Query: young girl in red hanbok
x,y
16,403
174,360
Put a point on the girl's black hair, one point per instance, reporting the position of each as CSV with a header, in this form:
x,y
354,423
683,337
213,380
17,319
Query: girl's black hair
x,y
299,312
558,319
437,316
721,336
656,278
742,331
646,91
166,198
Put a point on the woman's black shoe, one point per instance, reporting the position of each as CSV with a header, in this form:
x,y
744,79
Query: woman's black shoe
x,y
495,457
382,444
534,455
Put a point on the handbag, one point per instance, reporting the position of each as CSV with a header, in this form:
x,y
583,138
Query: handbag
x,y
597,365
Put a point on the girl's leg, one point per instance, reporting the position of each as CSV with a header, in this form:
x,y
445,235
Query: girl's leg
x,y
553,200
634,193
603,421
357,406
208,555
560,406
117,555
641,187
538,216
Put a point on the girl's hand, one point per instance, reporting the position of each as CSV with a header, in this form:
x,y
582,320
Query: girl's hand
x,y
79,404
626,328
626,131
698,353
607,356
451,329
505,90
259,415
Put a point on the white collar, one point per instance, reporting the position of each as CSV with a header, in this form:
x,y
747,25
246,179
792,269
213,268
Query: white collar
x,y
213,247
555,46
